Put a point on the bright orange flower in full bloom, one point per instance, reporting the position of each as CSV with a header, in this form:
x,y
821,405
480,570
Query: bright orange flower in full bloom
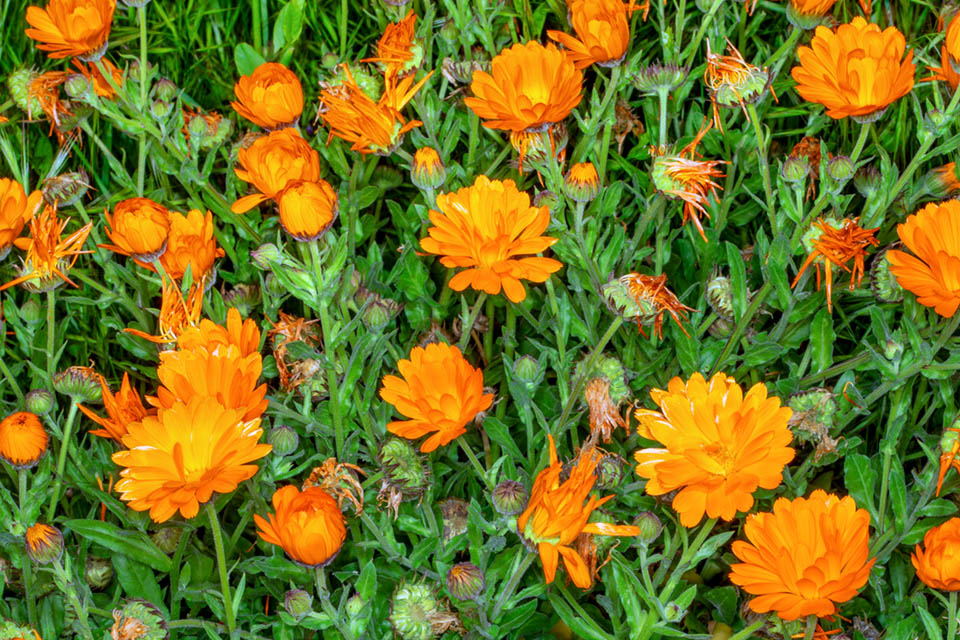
x,y
398,51
23,440
139,227
273,163
48,256
307,209
603,32
308,525
529,88
804,558
938,562
485,227
72,27
122,409
719,445
933,275
856,70
176,460
439,391
15,209
270,97
836,247
239,333
190,244
556,515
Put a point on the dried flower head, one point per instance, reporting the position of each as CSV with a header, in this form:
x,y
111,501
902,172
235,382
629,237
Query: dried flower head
x,y
398,51
286,330
49,257
340,480
307,524
835,247
274,162
139,227
604,413
23,440
645,299
603,32
733,81
270,97
67,28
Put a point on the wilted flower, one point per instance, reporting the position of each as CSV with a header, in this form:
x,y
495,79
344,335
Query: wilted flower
x,y
938,562
307,209
270,97
405,476
72,27
139,228
273,163
398,51
16,208
733,81
308,525
645,299
340,480
603,32
44,544
932,235
836,247
23,440
604,414
138,620
176,312
123,408
48,256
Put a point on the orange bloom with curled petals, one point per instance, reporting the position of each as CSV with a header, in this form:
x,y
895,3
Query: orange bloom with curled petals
x,y
190,244
485,228
49,256
23,440
945,71
270,97
273,163
836,247
177,312
307,209
15,209
556,515
67,28
938,562
122,409
398,51
856,70
952,42
239,333
439,391
308,525
529,88
804,558
603,32
101,86
139,227
719,445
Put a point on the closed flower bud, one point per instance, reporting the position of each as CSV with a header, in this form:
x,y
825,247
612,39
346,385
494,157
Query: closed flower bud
x,y
612,369
721,328
404,467
355,606
882,282
80,383
98,573
428,171
243,297
656,78
527,370
795,169
867,181
167,539
77,86
44,544
66,189
160,109
412,610
307,209
720,296
465,581
546,199
165,90
454,513
582,184
30,312
264,256
40,402
19,83
672,612
649,525
197,127
379,312
298,603
510,498
138,620
284,440
840,169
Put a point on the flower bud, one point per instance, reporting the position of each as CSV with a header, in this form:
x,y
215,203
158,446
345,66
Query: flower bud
x,y
284,440
66,189
19,83
546,199
44,544
803,17
160,109
40,402
138,620
428,171
80,383
165,90
795,169
77,87
411,611
649,525
721,328
867,181
298,603
465,581
167,539
527,370
582,184
510,498
404,467
454,513
355,606
197,127
98,573
30,312
10,629
379,312
243,297
672,612
265,255
839,170
882,281
655,78
720,296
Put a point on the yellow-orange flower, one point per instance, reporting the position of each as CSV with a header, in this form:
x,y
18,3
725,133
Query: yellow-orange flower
x,y
270,97
856,70
190,244
101,86
15,209
48,256
804,558
139,227
23,441
308,525
307,209
439,391
938,563
123,408
43,543
427,171
176,312
719,445
945,71
836,247
273,163
398,51
239,333
529,87
582,183
952,42
176,460
484,228
603,32
556,515
812,7
72,27
933,272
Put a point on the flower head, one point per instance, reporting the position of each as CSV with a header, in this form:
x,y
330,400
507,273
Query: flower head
x,y
123,408
308,525
307,209
190,245
856,70
733,81
15,209
270,97
645,299
604,413
952,42
485,227
68,28
836,246
239,333
804,558
439,391
603,32
427,171
807,14
582,183
49,257
44,543
139,227
529,88
938,562
398,51
23,440
945,71
273,163
176,312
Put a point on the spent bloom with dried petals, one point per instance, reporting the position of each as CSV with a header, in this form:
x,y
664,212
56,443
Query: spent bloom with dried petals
x,y
177,312
308,525
938,561
733,81
603,32
645,299
23,440
16,208
274,162
49,256
67,28
270,97
139,227
123,408
835,246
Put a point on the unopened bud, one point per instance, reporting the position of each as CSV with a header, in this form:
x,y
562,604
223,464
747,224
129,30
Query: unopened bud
x,y
80,383
284,439
77,86
649,525
167,539
428,171
40,402
412,610
465,581
795,169
44,544
30,312
98,573
582,184
510,498
840,169
298,603
160,109
165,90
527,370
266,254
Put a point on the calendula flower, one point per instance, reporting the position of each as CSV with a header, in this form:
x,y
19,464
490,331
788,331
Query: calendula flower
x,y
645,299
485,227
398,51
856,70
308,525
139,227
15,209
176,460
439,391
67,28
49,256
933,272
946,71
835,247
307,209
270,97
804,558
556,515
529,88
733,81
938,562
190,244
43,543
952,42
123,408
427,171
273,163
23,440
582,183
44,90
603,32
176,312
719,445
239,333
807,14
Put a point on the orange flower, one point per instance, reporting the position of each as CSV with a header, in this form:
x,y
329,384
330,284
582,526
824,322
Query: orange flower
x,y
530,88
139,228
176,313
23,440
933,235
48,257
582,184
837,247
239,333
273,163
945,71
484,228
398,52
807,14
649,299
856,70
307,209
270,97
122,409
938,564
176,460
439,391
805,557
15,209
308,525
44,544
719,445
190,244
101,86
556,515
427,171
72,27
604,416
603,32
733,81
952,43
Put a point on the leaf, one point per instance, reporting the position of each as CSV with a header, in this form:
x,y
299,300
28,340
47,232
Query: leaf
x,y
500,434
247,58
860,481
137,580
131,543
822,337
763,352
624,581
289,25
367,583
586,629
897,486
738,280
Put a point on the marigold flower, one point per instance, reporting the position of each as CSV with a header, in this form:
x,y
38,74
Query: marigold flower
x,y
176,312
398,51
952,42
176,460
836,247
484,227
855,70
239,333
804,558
68,28
556,515
604,415
15,209
123,408
44,90
308,525
427,171
938,562
307,209
270,97
139,227
48,256
945,71
603,32
43,543
273,163
439,391
530,87
733,81
23,440
719,445
190,244
933,275
582,183
645,299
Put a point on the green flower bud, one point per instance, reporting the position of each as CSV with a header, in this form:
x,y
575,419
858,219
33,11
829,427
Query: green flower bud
x,y
839,171
867,181
44,544
80,383
167,539
139,620
197,127
721,328
510,498
40,402
77,86
818,406
165,90
66,189
30,312
18,83
649,525
582,183
10,629
298,603
656,78
546,199
672,612
795,169
527,370
720,296
412,610
449,32
355,606
455,515
284,440
403,467
266,255
379,313
243,297
465,581
98,573
882,281
160,109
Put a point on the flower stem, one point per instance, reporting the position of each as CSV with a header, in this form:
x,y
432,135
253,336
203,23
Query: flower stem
x,y
323,595
65,441
51,331
587,366
386,546
330,355
27,576
222,566
476,463
65,581
466,328
511,585
663,95
764,167
861,141
811,627
142,156
12,381
952,616
742,325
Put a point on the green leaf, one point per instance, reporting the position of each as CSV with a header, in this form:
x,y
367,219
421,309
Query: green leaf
x,y
131,543
822,337
763,352
897,486
137,580
585,629
289,25
738,280
247,58
860,480
500,434
628,594
367,583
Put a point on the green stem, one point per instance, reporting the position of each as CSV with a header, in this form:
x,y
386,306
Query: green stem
x,y
27,573
13,381
392,554
343,28
51,332
65,442
952,616
787,45
476,463
742,325
488,336
511,585
175,593
664,95
764,168
79,609
861,141
222,566
587,367
748,632
466,328
811,627
142,157
704,25
258,29
323,595
329,352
